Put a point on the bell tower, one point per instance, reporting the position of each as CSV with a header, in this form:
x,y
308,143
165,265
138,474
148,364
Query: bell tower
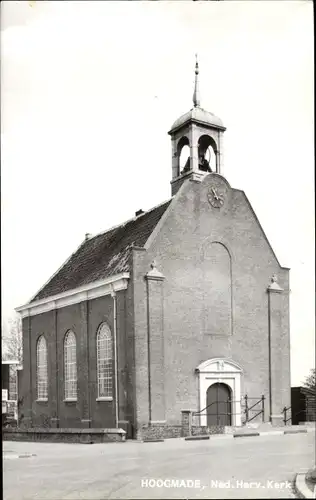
x,y
197,143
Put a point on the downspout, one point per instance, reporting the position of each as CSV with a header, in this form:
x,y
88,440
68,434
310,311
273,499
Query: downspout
x,y
31,374
113,294
269,357
57,369
148,351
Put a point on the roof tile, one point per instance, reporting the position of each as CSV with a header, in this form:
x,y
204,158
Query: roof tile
x,y
103,255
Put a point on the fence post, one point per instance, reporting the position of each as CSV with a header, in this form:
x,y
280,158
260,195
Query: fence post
x,y
246,408
186,423
284,411
263,398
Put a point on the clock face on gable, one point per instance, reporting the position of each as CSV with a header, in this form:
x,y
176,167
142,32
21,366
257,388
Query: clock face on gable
x,y
217,193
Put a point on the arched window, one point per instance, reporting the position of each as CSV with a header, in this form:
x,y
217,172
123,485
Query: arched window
x,y
70,366
41,368
104,361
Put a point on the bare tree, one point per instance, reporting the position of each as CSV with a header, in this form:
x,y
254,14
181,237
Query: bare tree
x,y
12,348
310,381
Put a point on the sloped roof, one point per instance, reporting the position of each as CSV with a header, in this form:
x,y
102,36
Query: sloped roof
x,y
103,255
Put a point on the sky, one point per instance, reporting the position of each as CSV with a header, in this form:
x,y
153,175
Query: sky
x,y
89,91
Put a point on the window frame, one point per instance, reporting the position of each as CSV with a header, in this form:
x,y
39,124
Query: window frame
x,y
41,366
70,360
104,373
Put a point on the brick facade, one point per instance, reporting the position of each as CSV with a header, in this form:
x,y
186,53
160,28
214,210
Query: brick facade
x,y
200,299
206,298
195,328
83,319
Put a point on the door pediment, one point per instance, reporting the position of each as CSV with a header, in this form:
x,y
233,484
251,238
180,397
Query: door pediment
x,y
216,365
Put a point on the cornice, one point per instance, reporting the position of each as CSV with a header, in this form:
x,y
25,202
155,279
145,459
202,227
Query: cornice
x,y
196,121
75,296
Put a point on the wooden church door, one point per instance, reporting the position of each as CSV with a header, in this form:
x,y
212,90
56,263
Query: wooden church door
x,y
218,400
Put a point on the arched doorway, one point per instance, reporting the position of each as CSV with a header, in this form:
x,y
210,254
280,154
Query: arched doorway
x,y
218,400
220,371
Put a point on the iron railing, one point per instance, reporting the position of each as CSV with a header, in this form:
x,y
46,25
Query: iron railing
x,y
287,412
246,410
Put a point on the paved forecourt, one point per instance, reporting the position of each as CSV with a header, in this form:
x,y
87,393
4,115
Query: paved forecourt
x,y
217,468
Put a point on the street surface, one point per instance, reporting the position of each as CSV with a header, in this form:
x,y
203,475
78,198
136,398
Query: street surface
x,y
248,467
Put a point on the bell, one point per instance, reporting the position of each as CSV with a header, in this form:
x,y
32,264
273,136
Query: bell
x,y
204,165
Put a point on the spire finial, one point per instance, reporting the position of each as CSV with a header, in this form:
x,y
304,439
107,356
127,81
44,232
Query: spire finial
x,y
196,95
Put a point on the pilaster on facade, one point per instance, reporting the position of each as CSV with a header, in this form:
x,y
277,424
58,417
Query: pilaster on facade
x,y
275,351
56,368
156,368
84,368
113,295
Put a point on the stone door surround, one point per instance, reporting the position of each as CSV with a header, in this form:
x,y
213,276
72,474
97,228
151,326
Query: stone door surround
x,y
220,370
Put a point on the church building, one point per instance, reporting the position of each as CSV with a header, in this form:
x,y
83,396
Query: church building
x,y
183,309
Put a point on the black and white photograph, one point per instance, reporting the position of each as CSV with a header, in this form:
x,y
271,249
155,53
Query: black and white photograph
x,y
158,249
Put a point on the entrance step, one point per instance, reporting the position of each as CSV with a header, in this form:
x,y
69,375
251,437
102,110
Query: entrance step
x,y
261,425
267,428
258,427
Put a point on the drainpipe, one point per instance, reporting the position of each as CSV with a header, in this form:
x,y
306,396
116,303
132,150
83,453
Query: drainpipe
x,y
57,369
31,374
113,295
269,357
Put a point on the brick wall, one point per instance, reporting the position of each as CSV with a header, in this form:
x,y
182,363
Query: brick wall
x,y
192,334
205,431
83,436
83,319
130,376
213,261
102,413
158,432
165,431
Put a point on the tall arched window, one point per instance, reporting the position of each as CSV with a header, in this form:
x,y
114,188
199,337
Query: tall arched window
x,y
41,368
104,361
70,366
